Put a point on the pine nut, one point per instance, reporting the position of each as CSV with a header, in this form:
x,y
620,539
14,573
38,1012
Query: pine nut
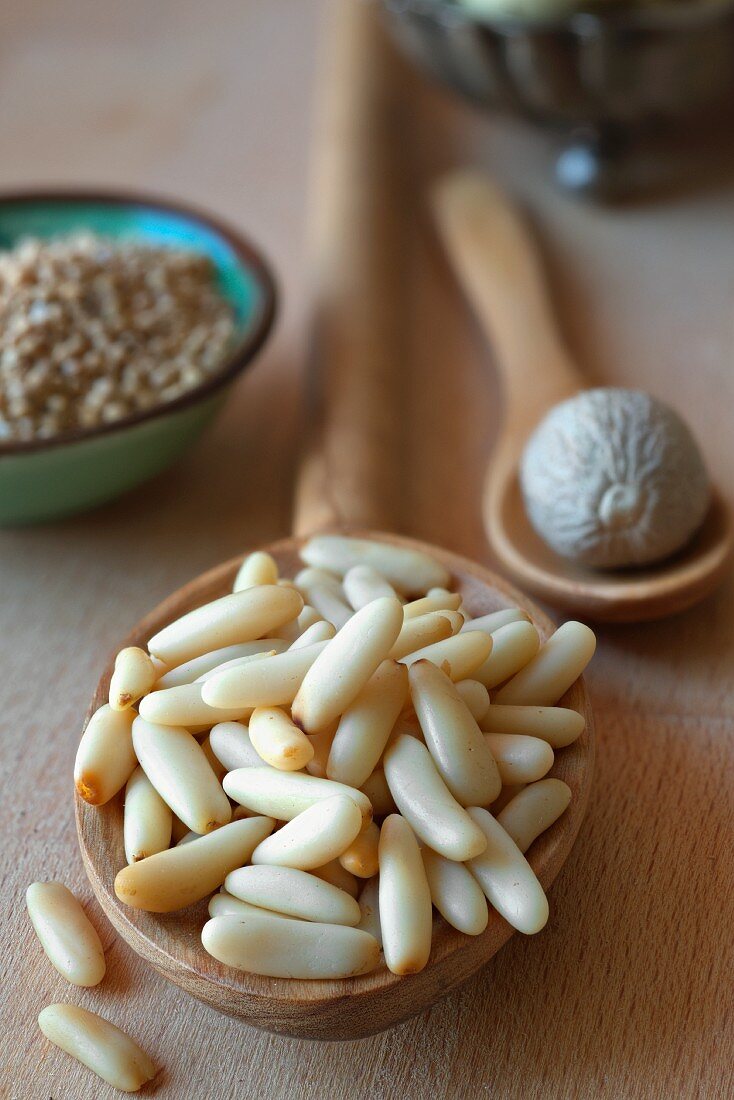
x,y
319,834
506,877
105,759
293,893
148,820
285,948
185,874
407,570
455,893
533,810
67,936
239,617
453,737
365,725
406,916
551,673
348,661
134,675
519,759
556,725
99,1045
426,802
178,769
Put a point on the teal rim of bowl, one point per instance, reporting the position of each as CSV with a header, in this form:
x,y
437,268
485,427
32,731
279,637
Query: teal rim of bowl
x,y
242,275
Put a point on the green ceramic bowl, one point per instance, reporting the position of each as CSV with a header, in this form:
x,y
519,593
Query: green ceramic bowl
x,y
48,479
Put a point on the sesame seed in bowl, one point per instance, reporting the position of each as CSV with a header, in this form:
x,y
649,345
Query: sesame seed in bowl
x,y
122,324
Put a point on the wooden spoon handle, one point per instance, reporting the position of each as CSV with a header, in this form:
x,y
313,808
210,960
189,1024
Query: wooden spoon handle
x,y
349,472
499,268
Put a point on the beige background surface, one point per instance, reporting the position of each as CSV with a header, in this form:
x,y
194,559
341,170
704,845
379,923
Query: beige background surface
x,y
628,993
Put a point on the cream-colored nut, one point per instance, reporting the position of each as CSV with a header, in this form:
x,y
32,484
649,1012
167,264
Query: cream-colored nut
x,y
426,802
369,905
506,795
378,792
147,822
238,617
293,893
455,893
409,571
214,762
67,936
365,725
257,568
295,629
459,657
519,759
185,874
406,916
506,877
284,795
319,834
273,682
178,769
496,619
334,873
321,743
105,759
97,1044
198,667
453,737
324,592
450,601
513,647
476,697
360,858
363,584
230,743
533,810
551,673
556,725
424,631
235,662
134,675
223,904
318,632
348,661
285,948
184,706
278,741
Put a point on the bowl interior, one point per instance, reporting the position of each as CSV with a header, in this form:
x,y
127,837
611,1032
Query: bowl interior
x,y
239,276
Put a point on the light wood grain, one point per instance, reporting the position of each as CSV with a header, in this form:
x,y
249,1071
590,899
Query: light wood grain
x,y
355,412
627,995
329,1010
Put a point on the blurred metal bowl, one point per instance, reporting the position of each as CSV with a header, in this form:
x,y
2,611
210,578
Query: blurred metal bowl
x,y
599,75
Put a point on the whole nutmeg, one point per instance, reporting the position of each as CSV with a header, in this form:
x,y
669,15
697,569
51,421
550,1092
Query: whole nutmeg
x,y
613,477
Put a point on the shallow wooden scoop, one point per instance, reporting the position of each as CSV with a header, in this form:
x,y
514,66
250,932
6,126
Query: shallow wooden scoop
x,y
356,1007
350,478
498,266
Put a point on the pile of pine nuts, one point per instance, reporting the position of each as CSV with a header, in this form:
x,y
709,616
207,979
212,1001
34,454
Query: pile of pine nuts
x,y
321,759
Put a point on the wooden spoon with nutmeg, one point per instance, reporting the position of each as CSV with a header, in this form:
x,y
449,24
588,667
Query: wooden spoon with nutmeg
x,y
499,268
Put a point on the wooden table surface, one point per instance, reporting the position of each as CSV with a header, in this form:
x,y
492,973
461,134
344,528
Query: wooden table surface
x,y
628,992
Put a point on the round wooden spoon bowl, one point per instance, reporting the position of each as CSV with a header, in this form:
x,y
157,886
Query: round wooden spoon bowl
x,y
356,1007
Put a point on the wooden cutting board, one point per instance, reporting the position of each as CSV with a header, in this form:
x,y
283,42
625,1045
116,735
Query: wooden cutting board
x,y
627,993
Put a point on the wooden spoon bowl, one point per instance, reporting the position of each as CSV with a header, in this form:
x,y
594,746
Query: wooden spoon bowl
x,y
334,1010
498,265
619,595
